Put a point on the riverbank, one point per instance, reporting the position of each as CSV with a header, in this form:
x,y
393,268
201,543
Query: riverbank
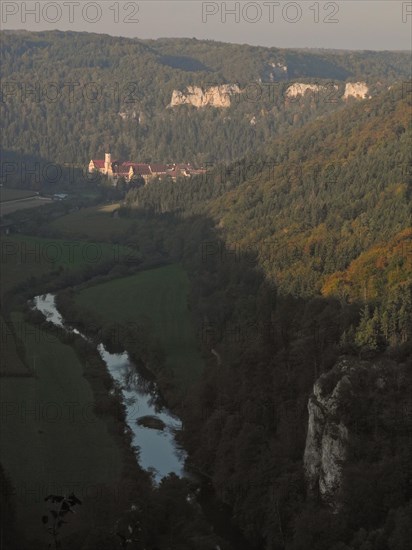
x,y
156,452
53,439
128,385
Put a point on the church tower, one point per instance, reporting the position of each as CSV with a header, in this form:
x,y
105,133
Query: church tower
x,y
107,164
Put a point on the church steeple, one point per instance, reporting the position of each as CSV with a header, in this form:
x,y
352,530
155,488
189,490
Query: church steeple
x,y
107,163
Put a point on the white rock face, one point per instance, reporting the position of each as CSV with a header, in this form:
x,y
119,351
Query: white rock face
x,y
300,88
276,71
337,405
126,116
215,96
326,441
358,90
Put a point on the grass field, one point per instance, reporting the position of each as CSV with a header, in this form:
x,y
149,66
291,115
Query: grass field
x,y
51,440
10,362
161,296
24,256
93,223
7,194
22,204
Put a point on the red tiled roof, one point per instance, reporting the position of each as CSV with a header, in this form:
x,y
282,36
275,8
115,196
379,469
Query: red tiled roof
x,y
198,171
141,169
158,168
174,173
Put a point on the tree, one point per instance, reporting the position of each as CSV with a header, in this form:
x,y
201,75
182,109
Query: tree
x,y
367,333
55,517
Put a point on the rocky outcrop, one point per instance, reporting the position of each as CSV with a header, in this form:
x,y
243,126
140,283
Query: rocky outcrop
x,y
138,116
327,437
358,90
215,96
128,116
300,88
355,403
221,96
275,71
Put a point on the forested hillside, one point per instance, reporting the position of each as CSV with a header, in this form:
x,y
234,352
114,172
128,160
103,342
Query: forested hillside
x,y
314,199
115,92
296,244
305,258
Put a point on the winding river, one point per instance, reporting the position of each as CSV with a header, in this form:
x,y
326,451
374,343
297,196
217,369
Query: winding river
x,y
156,449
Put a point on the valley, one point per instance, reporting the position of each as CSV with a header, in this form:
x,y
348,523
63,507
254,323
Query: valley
x,y
213,362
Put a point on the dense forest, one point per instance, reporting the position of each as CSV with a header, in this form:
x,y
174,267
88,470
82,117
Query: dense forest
x,y
313,200
114,92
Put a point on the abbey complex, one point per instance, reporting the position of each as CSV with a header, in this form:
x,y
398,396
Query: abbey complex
x,y
116,169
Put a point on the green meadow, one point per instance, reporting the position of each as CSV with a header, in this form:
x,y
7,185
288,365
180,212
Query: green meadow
x,y
159,295
23,257
8,194
11,363
97,222
51,440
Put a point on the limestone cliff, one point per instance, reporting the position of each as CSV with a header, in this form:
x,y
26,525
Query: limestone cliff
x,y
355,405
275,71
327,437
358,90
221,96
300,88
215,96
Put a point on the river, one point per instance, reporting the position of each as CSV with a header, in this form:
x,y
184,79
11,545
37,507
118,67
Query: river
x,y
157,449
